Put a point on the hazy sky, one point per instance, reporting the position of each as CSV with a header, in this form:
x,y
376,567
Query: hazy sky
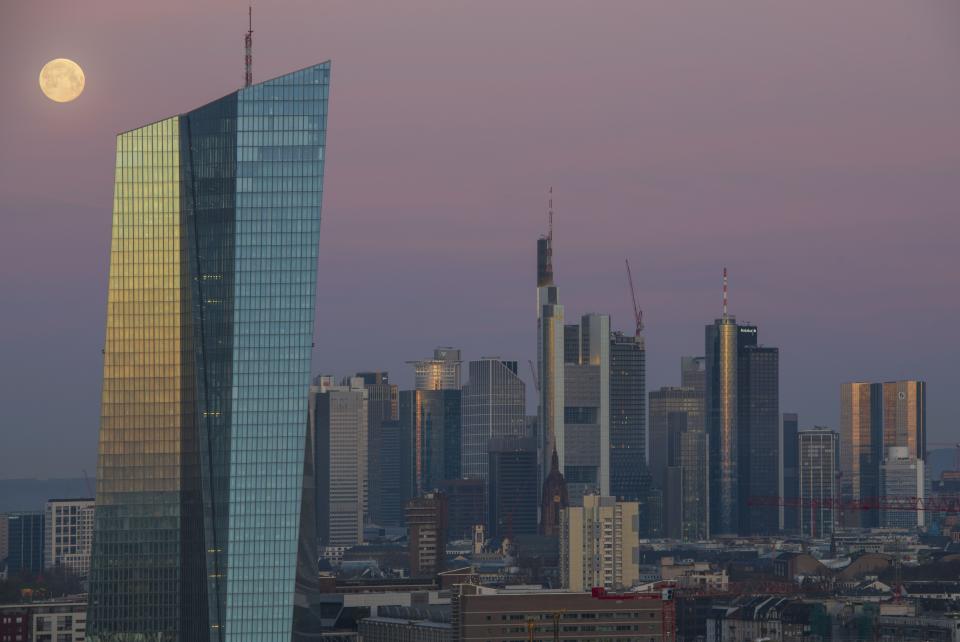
x,y
812,147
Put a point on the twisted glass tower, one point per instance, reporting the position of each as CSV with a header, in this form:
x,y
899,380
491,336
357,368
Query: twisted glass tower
x,y
203,461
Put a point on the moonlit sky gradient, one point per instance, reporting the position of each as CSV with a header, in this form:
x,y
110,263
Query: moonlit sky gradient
x,y
812,147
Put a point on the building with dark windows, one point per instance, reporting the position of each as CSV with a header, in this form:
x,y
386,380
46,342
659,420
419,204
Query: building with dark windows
x,y
628,417
426,518
395,473
25,543
205,473
466,506
430,422
789,469
686,480
382,405
742,415
902,478
493,405
817,483
873,418
667,401
512,487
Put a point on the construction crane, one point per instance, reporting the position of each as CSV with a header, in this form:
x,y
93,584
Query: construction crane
x,y
637,312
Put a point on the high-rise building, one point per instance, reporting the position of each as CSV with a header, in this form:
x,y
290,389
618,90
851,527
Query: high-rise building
x,y
25,539
68,534
440,373
340,443
426,518
693,373
493,404
395,473
873,418
667,401
550,363
203,454
4,537
789,469
742,416
466,506
817,481
902,477
584,449
430,423
512,487
599,542
686,479
382,405
628,417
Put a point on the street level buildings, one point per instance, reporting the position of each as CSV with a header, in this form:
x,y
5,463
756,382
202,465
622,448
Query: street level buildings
x,y
203,451
68,535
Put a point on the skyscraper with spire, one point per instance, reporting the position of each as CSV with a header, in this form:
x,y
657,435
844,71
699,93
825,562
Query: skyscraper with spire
x,y
550,363
742,417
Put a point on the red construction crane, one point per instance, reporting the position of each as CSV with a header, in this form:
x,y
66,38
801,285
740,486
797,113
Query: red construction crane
x,y
637,312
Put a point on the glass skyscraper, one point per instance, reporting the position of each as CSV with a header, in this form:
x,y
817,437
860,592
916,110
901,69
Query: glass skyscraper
x,y
203,459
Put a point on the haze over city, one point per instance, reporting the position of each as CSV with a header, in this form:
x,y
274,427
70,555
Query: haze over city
x,y
811,148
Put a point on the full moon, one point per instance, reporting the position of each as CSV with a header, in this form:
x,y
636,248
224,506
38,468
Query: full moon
x,y
61,80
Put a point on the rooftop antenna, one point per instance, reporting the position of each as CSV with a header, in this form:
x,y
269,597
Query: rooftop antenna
x,y
248,50
637,312
550,215
724,292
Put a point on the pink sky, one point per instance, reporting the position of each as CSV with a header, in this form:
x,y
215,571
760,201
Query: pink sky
x,y
812,147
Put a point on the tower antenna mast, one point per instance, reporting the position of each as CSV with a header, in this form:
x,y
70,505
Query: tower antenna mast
x,y
724,292
550,215
248,50
637,312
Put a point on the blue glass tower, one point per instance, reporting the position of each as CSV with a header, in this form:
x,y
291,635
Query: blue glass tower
x,y
203,524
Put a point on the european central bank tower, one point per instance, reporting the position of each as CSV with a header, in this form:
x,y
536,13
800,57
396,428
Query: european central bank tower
x,y
203,462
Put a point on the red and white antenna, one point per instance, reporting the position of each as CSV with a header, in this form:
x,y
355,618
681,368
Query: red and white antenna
x,y
724,292
248,50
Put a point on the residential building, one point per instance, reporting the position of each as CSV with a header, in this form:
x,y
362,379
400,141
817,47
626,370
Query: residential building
x,y
902,478
482,614
789,473
57,620
512,486
493,405
340,442
818,451
628,417
598,544
426,518
203,455
68,535
382,405
873,418
25,543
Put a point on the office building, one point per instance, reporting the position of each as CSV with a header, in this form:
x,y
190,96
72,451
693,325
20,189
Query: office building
x,y
584,449
68,535
466,506
440,373
340,446
482,614
693,373
686,480
598,544
550,364
210,317
382,405
742,417
426,518
25,538
493,405
902,478
873,418
512,487
4,537
628,417
789,469
430,422
667,401
395,473
817,476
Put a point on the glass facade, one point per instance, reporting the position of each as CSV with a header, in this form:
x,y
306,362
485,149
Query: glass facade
x,y
206,367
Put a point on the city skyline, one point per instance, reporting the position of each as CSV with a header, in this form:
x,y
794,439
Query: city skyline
x,y
850,277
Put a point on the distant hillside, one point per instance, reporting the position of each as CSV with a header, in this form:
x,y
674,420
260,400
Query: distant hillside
x,y
32,494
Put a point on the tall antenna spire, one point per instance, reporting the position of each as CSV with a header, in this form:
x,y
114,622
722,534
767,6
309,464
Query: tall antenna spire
x,y
248,50
724,292
550,214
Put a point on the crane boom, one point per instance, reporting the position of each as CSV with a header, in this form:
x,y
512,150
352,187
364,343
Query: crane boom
x,y
637,312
